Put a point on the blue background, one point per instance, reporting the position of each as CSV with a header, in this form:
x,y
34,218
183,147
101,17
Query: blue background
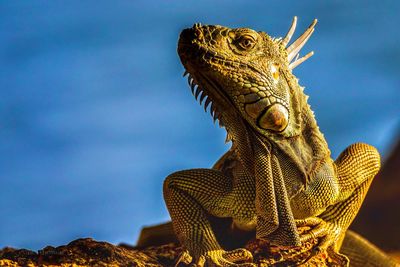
x,y
94,112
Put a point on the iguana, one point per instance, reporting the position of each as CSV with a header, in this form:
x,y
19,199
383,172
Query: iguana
x,y
278,174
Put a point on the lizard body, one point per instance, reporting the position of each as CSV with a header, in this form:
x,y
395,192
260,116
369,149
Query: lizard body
x,y
279,174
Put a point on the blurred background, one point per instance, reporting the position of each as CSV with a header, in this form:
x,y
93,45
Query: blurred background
x,y
94,112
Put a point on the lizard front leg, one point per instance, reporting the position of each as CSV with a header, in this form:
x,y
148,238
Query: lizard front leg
x,y
191,196
356,167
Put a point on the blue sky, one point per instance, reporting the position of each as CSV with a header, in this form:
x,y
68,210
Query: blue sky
x,y
94,112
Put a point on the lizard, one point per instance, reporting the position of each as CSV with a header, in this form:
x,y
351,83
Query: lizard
x,y
278,174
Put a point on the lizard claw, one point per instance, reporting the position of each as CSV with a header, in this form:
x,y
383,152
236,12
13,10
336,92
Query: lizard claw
x,y
184,258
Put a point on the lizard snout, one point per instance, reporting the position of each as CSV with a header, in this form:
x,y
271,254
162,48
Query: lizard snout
x,y
187,35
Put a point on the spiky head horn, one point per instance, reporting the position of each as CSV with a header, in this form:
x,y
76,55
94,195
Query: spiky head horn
x,y
294,49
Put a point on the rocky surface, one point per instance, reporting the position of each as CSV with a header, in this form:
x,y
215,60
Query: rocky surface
x,y
88,252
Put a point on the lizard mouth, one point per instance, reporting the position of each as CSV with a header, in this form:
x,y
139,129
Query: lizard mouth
x,y
196,60
269,113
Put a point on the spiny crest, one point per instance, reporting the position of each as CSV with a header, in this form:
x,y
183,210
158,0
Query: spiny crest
x,y
294,49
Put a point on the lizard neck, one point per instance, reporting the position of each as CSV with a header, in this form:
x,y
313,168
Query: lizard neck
x,y
307,150
239,132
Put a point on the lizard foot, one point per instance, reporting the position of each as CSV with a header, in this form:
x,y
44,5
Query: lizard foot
x,y
327,233
220,258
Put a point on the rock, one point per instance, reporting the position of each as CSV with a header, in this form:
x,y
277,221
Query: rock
x,y
88,252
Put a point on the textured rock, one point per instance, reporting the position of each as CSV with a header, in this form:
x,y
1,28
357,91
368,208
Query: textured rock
x,y
88,252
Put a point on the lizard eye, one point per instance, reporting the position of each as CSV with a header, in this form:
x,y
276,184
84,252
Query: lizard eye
x,y
246,42
275,71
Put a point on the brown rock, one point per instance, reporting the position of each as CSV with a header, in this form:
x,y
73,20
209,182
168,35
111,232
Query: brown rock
x,y
88,252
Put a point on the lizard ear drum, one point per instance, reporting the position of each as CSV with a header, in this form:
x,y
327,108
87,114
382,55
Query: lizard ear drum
x,y
276,118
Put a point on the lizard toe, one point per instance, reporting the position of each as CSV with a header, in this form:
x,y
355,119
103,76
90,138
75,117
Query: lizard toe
x,y
201,261
310,221
239,254
319,231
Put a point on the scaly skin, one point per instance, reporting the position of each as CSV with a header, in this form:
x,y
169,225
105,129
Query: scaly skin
x,y
278,175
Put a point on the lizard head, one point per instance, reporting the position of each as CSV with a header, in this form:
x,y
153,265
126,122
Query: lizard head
x,y
245,71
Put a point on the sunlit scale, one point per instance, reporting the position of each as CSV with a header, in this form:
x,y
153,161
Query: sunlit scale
x,y
275,72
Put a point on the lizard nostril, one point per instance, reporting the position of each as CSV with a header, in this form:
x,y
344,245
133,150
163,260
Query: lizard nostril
x,y
188,35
